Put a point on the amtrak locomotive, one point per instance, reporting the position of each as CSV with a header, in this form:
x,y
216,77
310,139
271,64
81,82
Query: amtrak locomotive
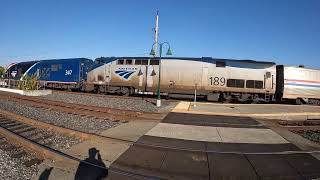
x,y
216,79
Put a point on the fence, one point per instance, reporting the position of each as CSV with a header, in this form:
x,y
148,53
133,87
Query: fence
x,y
28,84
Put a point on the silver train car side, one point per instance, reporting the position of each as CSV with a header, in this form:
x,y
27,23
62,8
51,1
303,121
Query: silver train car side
x,y
298,84
217,79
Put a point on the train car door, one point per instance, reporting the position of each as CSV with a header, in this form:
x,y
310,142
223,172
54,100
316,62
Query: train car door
x,y
204,82
107,72
268,80
142,68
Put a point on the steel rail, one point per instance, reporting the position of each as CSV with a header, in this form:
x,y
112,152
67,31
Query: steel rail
x,y
47,152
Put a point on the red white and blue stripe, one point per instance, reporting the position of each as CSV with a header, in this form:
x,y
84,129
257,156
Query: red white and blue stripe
x,y
302,83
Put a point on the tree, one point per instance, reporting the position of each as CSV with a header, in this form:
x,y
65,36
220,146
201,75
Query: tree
x,y
2,71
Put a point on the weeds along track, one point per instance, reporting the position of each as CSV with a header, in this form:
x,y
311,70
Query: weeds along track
x,y
84,110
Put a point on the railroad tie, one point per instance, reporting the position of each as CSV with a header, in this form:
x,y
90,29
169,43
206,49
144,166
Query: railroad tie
x,y
48,143
7,147
7,126
6,122
18,154
22,126
32,162
41,138
3,141
26,130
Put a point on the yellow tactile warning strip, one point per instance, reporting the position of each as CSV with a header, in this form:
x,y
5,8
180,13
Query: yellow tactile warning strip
x,y
181,107
186,107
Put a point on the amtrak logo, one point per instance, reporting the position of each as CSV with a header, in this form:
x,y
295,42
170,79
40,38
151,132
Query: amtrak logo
x,y
125,73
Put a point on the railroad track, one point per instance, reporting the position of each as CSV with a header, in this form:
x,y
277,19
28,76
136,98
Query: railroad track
x,y
13,127
309,129
134,97
301,125
18,152
84,110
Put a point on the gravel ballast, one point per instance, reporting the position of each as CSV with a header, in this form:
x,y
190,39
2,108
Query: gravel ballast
x,y
136,104
84,124
313,136
57,141
14,168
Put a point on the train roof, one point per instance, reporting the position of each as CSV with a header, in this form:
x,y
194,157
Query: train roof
x,y
69,59
307,68
203,59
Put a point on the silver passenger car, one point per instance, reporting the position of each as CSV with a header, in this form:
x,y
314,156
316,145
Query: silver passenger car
x,y
299,83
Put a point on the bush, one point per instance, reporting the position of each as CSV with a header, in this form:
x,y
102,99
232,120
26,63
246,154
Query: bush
x,y
28,83
2,70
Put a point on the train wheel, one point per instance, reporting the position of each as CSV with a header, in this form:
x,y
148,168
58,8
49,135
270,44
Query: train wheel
x,y
298,101
124,91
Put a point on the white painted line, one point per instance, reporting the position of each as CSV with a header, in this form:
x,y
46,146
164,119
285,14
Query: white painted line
x,y
186,132
249,114
250,135
28,93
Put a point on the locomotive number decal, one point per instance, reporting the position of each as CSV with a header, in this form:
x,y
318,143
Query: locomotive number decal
x,y
217,81
68,72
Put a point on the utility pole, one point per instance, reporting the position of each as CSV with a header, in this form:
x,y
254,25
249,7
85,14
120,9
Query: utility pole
x,y
156,35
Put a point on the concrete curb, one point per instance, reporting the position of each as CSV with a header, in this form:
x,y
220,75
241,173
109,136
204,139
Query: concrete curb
x,y
184,107
28,93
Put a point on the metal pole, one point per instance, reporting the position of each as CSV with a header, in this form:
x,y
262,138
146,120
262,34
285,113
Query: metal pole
x,y
158,91
156,35
195,97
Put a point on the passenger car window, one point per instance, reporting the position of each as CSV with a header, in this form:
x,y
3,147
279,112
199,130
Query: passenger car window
x,y
238,83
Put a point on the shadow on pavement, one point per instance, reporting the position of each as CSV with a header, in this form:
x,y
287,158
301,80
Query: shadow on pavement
x,y
92,168
45,174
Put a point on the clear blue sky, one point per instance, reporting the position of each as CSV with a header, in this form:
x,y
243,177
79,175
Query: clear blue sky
x,y
284,31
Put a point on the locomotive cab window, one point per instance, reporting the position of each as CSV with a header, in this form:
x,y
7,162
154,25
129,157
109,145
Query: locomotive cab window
x,y
237,83
220,64
154,62
141,62
54,67
129,61
121,61
137,62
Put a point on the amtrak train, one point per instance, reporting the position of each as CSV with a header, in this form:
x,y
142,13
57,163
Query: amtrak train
x,y
216,79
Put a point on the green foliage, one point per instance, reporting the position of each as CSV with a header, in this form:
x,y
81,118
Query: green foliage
x,y
28,83
2,71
